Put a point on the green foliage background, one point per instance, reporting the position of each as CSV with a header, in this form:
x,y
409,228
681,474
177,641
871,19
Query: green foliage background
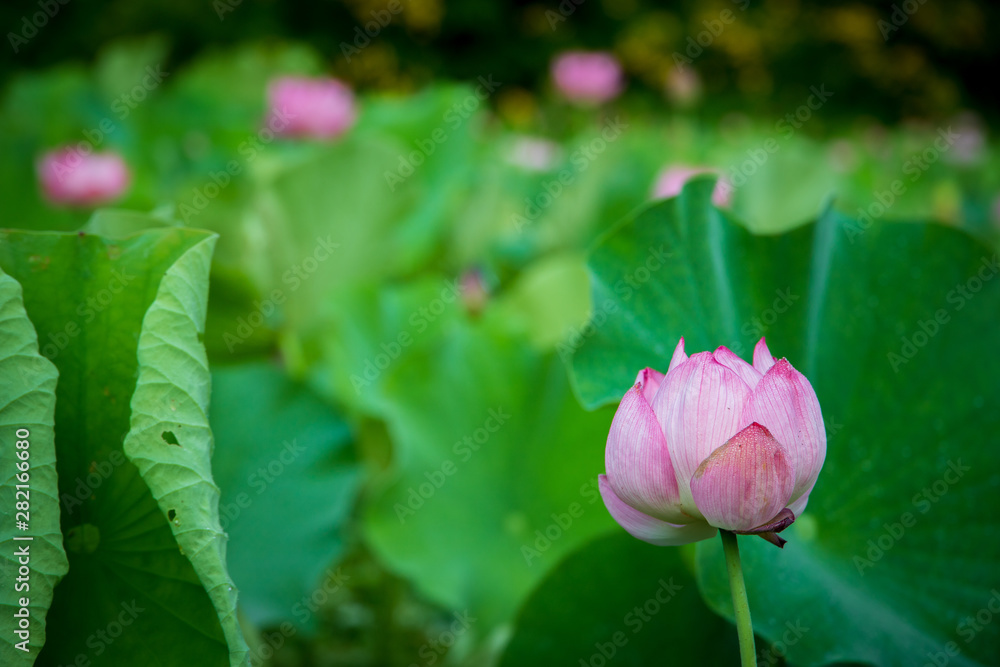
x,y
332,418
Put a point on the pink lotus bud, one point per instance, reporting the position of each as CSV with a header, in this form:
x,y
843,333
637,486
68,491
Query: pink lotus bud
x,y
714,443
588,77
966,138
321,108
843,156
534,154
683,86
672,179
69,177
474,291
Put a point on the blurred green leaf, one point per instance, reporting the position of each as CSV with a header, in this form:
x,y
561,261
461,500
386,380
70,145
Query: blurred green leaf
x,y
118,223
372,328
122,65
549,300
619,601
327,219
284,462
494,470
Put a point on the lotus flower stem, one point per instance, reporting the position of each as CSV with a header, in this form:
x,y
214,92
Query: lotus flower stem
x,y
741,608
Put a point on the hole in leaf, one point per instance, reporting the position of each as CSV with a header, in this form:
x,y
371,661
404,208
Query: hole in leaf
x,y
170,438
171,514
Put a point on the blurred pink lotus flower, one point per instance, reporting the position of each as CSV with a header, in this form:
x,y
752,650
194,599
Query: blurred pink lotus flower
x,y
672,179
683,86
71,178
474,290
714,443
320,108
842,155
587,77
534,154
969,142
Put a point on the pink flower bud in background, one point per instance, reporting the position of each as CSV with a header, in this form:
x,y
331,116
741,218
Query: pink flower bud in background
x,y
71,178
683,87
876,141
713,443
967,137
322,108
474,291
842,155
672,179
534,154
587,77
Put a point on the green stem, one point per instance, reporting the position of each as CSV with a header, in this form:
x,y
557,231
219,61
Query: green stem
x,y
748,652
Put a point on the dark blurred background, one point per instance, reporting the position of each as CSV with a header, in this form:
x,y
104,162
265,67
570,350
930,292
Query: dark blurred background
x,y
941,62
